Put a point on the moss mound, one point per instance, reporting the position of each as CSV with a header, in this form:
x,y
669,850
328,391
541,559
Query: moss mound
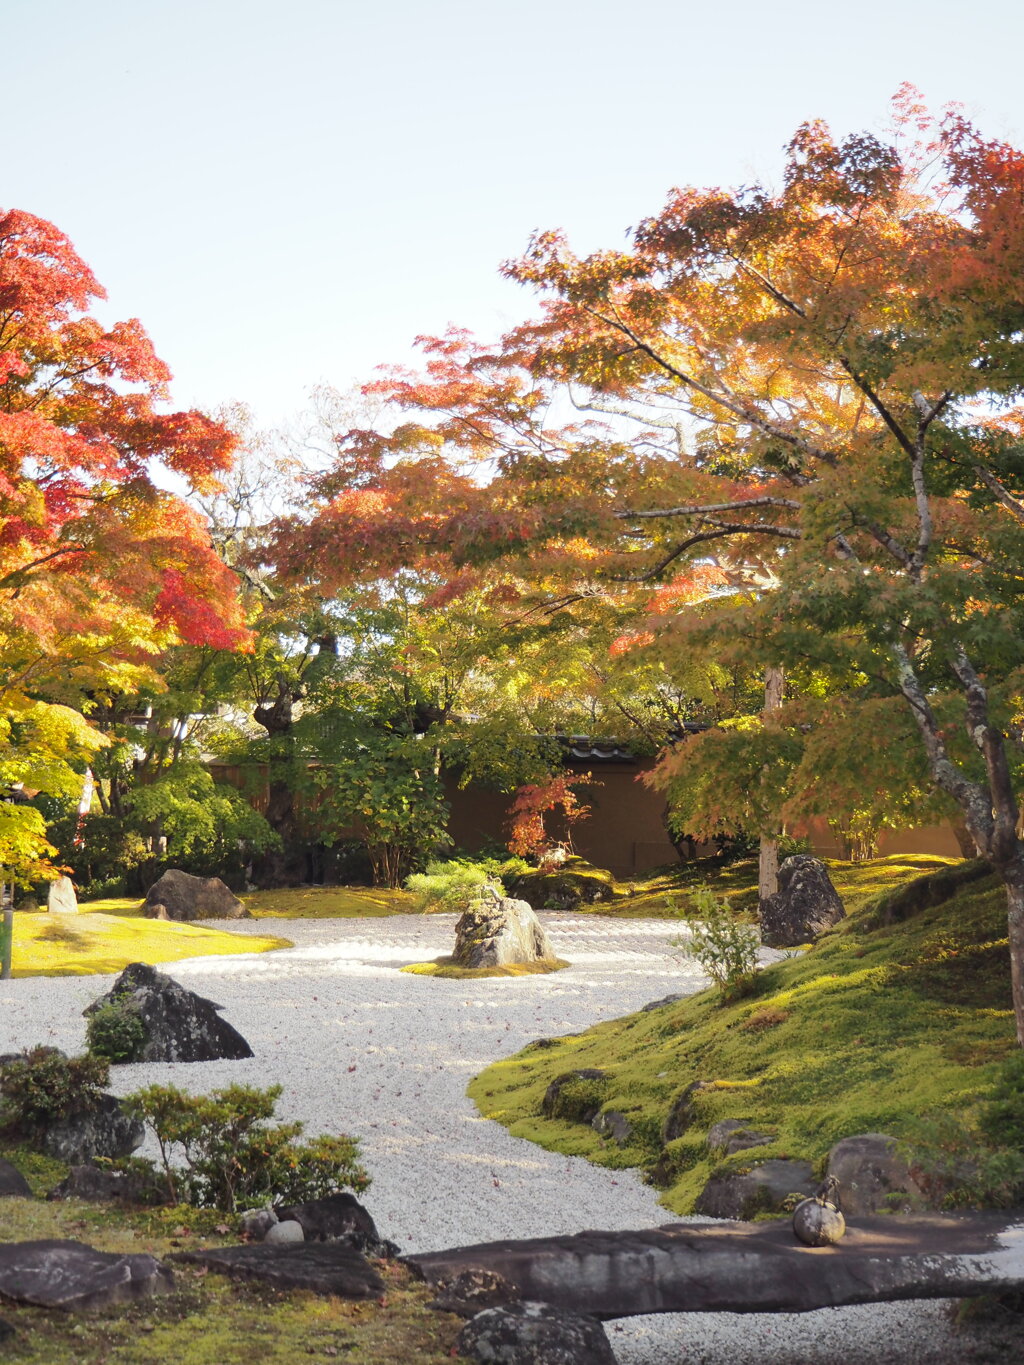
x,y
869,1031
72,945
445,967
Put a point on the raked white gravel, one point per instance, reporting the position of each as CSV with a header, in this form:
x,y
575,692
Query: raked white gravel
x,y
361,1047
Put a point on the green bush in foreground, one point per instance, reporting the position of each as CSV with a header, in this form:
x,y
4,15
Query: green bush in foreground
x,y
43,1086
220,1150
725,947
116,1031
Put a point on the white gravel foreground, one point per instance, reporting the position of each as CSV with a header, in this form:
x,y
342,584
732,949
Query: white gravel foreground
x,y
362,1048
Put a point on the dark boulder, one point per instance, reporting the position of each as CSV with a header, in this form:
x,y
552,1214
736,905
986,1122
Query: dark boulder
x,y
12,1182
562,888
180,1025
533,1334
765,1188
684,1111
320,1267
107,1130
498,932
338,1218
99,1186
658,1004
180,896
805,905
575,1096
71,1275
871,1176
611,1124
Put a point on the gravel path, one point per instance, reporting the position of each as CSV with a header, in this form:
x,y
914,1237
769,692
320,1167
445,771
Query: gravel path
x,y
363,1048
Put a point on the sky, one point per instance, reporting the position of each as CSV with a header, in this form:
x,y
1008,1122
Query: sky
x,y
288,193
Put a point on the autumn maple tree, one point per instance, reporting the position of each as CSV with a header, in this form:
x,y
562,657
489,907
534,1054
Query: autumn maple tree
x,y
100,567
810,391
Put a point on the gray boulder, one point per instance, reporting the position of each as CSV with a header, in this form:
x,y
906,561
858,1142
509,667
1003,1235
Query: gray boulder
x,y
180,1025
12,1182
100,1186
871,1176
180,896
320,1267
611,1124
73,1276
762,1189
61,899
733,1135
283,1233
533,1334
499,932
104,1131
687,1267
805,905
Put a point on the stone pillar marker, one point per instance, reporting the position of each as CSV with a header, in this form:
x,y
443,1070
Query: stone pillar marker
x,y
62,899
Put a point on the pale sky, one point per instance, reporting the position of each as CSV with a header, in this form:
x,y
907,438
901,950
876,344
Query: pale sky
x,y
287,193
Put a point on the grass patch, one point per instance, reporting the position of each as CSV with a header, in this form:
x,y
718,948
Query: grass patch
x,y
208,1319
871,1030
444,967
84,944
668,891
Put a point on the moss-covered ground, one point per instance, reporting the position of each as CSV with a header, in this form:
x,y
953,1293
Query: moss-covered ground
x,y
295,902
901,1013
445,968
208,1319
72,945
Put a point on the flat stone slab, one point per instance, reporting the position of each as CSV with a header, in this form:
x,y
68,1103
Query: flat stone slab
x,y
71,1275
322,1267
730,1267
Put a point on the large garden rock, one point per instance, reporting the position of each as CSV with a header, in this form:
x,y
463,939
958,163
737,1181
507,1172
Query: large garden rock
x,y
762,1189
805,905
472,1290
562,888
871,1176
104,1131
733,1135
12,1182
180,896
689,1267
100,1186
533,1334
61,899
71,1275
180,1025
499,932
321,1267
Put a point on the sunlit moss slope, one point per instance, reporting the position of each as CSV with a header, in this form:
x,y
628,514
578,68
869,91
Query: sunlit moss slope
x,y
71,945
901,1012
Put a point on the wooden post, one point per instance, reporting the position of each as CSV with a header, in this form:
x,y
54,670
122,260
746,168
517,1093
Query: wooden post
x,y
768,862
6,929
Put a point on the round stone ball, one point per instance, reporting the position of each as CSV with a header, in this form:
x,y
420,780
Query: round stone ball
x,y
288,1231
816,1224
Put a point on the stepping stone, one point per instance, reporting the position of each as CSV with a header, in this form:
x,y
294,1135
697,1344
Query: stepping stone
x,y
322,1267
71,1275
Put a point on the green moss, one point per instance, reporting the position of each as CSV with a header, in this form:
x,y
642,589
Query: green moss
x,y
871,1029
445,968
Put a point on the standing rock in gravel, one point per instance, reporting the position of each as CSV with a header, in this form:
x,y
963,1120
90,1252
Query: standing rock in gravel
x,y
534,1334
498,932
180,896
61,899
805,905
180,1025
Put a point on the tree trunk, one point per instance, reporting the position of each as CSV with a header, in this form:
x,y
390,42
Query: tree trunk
x,y
768,862
1015,923
283,866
